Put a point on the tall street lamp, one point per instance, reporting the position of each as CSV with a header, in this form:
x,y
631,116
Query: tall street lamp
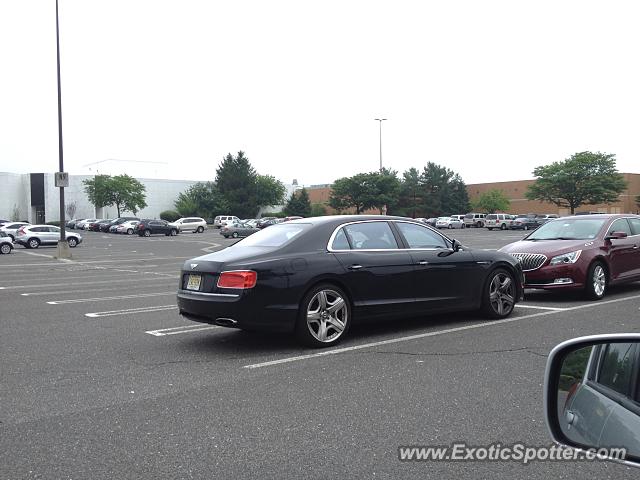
x,y
380,120
62,179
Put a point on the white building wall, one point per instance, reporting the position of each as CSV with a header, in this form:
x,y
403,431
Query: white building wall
x,y
15,195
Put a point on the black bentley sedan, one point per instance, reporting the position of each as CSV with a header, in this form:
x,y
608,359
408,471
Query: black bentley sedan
x,y
314,276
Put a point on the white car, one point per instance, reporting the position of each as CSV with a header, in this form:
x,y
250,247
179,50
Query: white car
x,y
498,220
224,220
449,222
11,228
82,225
190,224
127,227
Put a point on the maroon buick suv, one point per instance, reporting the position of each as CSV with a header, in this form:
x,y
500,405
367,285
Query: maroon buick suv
x,y
586,252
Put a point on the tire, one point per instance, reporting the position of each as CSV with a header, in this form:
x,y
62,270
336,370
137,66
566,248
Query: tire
x,y
226,236
12,237
234,234
478,225
525,228
130,231
503,226
490,228
450,227
72,242
200,229
499,294
597,281
462,226
5,248
147,233
33,243
324,316
173,232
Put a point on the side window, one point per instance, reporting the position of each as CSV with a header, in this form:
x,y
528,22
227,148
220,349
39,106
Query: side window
x,y
420,237
371,236
621,225
340,241
635,225
617,366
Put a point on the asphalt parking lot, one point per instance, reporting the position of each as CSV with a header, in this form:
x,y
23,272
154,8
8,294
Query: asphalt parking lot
x,y
101,378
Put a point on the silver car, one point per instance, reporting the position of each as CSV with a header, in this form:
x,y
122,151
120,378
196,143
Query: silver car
x,y
6,244
238,230
190,224
33,236
11,228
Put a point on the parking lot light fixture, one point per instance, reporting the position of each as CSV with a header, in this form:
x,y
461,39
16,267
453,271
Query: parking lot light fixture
x,y
380,120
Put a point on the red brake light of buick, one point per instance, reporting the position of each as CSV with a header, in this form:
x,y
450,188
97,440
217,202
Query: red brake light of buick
x,y
238,279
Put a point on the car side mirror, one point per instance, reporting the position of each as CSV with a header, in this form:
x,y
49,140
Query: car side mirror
x,y
616,236
456,245
591,399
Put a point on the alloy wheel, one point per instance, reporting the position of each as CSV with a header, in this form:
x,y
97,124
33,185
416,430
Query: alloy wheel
x,y
599,279
327,316
502,294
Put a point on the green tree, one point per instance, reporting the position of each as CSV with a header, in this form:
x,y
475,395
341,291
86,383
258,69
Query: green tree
x,y
298,204
122,191
97,190
202,199
638,201
269,191
585,178
351,192
492,201
384,188
236,181
318,210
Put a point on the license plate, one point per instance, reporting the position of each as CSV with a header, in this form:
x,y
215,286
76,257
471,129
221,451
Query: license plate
x,y
193,283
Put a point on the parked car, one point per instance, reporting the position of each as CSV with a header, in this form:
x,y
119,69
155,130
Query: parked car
x,y
6,243
312,276
588,253
524,222
98,224
262,221
431,221
32,236
11,228
238,230
449,222
72,223
81,224
591,395
221,220
127,228
542,219
268,223
498,220
190,224
113,226
459,217
474,220
148,227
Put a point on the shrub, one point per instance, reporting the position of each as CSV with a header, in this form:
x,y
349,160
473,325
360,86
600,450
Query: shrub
x,y
170,215
318,210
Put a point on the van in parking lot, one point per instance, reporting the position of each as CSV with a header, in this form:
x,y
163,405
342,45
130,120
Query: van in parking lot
x,y
222,220
474,220
498,220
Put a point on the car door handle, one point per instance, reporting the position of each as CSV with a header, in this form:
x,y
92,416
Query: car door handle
x,y
355,267
423,262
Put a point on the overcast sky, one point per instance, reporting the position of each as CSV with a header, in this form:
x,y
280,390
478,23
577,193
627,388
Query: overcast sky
x,y
490,89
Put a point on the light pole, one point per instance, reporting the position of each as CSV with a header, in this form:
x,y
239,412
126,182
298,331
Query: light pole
x,y
63,246
380,120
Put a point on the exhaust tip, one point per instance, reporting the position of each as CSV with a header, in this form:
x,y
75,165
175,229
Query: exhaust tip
x,y
226,322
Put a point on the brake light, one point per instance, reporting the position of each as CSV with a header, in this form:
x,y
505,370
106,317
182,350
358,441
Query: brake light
x,y
238,279
20,231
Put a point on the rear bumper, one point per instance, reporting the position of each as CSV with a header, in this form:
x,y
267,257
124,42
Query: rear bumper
x,y
235,310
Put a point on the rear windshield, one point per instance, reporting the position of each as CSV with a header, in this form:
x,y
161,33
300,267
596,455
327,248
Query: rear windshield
x,y
275,235
568,229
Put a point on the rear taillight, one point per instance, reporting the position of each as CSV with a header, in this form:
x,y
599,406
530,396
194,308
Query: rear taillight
x,y
238,279
20,231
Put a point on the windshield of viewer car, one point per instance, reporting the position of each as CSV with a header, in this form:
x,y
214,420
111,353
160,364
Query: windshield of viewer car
x,y
568,229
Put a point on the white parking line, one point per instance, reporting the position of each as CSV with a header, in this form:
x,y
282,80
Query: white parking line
x,y
177,330
540,308
64,291
102,299
121,280
128,311
434,334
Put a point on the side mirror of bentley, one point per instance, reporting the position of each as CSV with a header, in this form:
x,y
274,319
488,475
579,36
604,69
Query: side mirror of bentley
x,y
592,396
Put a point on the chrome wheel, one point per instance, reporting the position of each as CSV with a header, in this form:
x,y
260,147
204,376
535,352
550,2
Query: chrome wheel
x,y
599,279
327,316
502,294
72,242
5,248
34,243
147,233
